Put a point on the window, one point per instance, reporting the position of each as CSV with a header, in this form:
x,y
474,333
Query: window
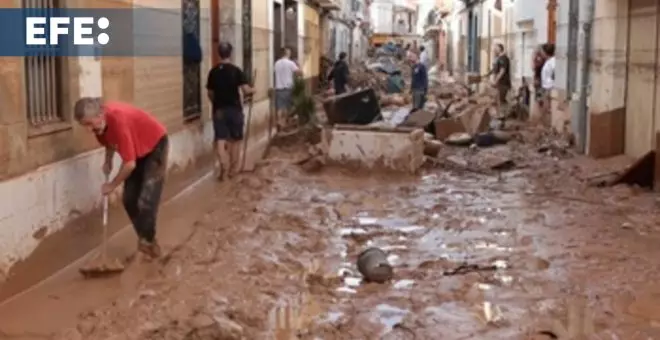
x,y
43,78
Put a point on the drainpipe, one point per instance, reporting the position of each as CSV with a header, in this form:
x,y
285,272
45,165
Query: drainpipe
x,y
585,74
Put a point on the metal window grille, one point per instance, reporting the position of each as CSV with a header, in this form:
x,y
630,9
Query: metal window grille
x,y
43,76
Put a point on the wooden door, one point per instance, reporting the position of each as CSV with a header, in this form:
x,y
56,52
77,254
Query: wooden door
x,y
552,21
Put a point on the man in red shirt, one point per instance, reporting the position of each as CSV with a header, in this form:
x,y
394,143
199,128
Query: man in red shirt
x,y
141,142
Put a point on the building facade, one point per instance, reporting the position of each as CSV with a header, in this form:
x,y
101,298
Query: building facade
x,y
607,63
475,26
346,29
50,169
433,26
396,21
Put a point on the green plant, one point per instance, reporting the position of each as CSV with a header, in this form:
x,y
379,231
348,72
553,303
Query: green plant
x,y
303,104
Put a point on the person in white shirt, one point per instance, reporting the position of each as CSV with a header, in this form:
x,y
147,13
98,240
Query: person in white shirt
x,y
548,75
285,72
424,56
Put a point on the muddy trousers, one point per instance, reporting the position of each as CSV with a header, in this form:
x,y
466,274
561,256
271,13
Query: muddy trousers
x,y
143,188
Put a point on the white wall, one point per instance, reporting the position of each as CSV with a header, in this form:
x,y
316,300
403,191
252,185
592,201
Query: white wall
x,y
530,31
425,7
532,10
381,16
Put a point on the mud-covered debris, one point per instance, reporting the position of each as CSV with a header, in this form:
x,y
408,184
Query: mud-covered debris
x,y
548,335
469,268
373,265
313,165
432,147
491,138
253,182
459,139
457,161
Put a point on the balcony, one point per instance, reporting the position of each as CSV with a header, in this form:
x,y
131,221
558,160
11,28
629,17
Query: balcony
x,y
329,5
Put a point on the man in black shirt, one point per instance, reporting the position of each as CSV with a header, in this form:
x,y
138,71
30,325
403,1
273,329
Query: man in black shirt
x,y
224,84
339,74
502,71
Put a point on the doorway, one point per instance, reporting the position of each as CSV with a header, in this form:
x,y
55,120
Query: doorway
x,y
278,37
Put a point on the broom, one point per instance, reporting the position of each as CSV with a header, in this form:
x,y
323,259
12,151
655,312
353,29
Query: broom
x,y
103,267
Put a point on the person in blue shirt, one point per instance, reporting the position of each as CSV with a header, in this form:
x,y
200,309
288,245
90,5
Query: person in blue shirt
x,y
420,82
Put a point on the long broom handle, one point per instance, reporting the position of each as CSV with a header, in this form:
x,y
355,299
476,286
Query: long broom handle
x,y
105,223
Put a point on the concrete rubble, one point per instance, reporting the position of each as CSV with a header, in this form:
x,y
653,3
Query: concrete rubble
x,y
456,113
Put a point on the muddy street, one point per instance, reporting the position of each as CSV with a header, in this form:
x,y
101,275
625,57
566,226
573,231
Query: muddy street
x,y
474,257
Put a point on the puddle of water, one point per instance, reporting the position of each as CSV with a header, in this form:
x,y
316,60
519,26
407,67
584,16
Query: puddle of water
x,y
484,286
389,315
352,282
404,284
504,279
410,229
491,246
394,247
501,264
346,290
332,317
352,231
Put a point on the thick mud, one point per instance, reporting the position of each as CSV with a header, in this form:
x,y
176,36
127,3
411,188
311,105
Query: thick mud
x,y
531,253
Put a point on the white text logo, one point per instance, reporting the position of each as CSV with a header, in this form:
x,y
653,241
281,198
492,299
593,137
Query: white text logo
x,y
81,27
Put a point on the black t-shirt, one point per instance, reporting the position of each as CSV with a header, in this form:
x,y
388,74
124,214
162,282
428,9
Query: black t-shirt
x,y
340,74
503,63
225,81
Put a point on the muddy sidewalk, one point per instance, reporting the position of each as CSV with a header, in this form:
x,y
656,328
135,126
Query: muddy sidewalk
x,y
476,257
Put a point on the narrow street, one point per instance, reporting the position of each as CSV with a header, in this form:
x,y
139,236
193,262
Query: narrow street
x,y
273,254
499,159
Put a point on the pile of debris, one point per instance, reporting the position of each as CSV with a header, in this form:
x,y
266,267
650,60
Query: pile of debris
x,y
456,113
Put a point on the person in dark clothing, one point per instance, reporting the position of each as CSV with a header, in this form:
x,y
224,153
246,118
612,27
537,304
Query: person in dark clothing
x,y
537,65
502,74
339,74
419,84
224,86
142,143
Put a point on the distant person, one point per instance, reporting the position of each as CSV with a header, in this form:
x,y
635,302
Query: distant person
x,y
409,51
548,75
224,85
420,82
501,73
395,82
537,66
142,143
285,73
424,56
339,74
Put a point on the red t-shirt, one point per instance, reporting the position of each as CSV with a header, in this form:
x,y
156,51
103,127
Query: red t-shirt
x,y
133,133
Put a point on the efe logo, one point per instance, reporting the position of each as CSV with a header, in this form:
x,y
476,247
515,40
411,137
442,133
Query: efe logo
x,y
35,30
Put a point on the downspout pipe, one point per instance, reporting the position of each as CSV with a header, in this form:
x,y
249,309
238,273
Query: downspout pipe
x,y
585,75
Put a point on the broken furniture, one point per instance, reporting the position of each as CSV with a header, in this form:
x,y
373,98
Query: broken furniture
x,y
358,108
